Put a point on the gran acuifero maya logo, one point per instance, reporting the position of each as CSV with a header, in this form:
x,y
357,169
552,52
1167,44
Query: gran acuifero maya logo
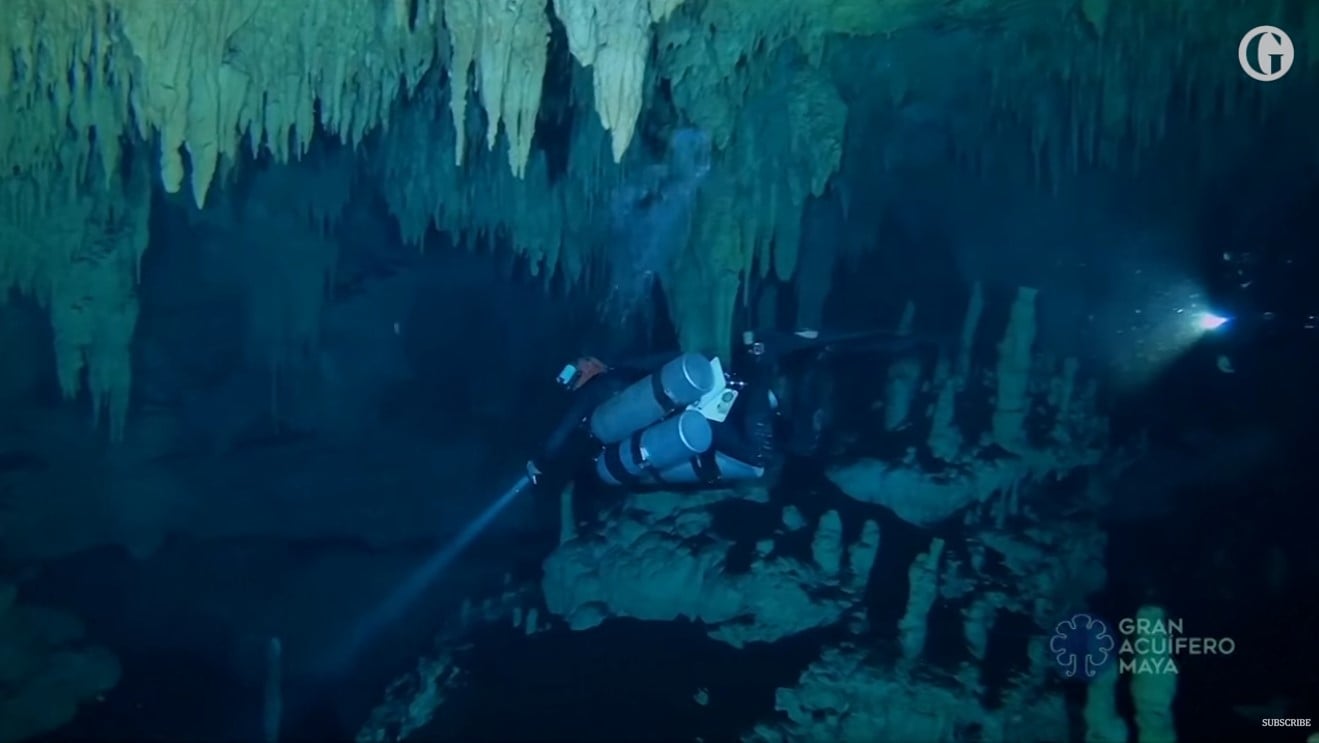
x,y
1083,645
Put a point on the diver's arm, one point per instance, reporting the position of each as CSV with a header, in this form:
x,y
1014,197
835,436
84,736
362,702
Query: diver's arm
x,y
570,444
552,459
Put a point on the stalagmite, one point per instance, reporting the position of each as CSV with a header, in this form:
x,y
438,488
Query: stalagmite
x,y
900,387
975,306
827,545
861,555
908,318
1103,722
1154,684
923,588
944,440
1013,373
1063,396
792,518
978,622
904,378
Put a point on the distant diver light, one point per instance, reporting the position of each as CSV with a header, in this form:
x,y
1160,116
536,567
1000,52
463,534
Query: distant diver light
x,y
1209,322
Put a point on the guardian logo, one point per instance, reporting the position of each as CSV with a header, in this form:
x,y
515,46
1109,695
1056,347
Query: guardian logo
x,y
1266,53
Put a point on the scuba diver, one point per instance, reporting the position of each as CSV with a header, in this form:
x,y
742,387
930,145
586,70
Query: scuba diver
x,y
675,421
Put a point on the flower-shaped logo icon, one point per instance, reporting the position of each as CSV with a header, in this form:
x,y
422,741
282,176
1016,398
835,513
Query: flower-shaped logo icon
x,y
1082,646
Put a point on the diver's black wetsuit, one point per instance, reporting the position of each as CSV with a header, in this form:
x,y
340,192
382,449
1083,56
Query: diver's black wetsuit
x,y
750,435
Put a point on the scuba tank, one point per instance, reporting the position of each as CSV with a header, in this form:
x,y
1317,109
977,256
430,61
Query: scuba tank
x,y
664,445
718,467
679,383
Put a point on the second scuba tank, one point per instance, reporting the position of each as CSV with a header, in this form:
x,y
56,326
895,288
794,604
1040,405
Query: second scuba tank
x,y
657,448
677,384
710,469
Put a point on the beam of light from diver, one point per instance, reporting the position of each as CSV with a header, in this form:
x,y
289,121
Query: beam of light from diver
x,y
403,597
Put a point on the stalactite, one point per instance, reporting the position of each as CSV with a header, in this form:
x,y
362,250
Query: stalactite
x,y
1091,85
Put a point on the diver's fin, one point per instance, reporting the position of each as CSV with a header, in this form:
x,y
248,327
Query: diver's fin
x,y
885,342
877,341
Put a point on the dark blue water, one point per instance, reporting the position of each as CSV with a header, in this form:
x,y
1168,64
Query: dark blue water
x,y
626,680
